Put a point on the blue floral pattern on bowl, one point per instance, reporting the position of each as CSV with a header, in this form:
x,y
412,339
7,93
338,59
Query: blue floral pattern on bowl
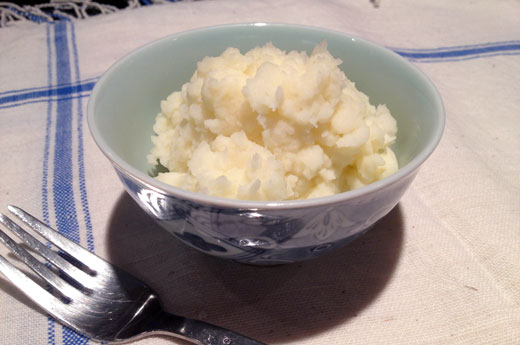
x,y
265,236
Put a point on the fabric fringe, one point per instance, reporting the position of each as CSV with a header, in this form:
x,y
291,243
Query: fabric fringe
x,y
57,10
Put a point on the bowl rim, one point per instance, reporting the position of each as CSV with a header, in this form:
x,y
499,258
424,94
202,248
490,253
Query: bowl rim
x,y
213,201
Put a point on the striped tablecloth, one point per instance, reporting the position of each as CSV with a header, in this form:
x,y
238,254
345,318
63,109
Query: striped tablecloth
x,y
442,268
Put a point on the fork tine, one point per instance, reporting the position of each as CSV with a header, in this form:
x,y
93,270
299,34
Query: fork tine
x,y
90,260
72,271
35,292
50,277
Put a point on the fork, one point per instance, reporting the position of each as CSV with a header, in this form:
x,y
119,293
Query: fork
x,y
94,297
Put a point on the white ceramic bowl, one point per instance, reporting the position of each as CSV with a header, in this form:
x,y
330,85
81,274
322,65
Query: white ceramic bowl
x,y
125,101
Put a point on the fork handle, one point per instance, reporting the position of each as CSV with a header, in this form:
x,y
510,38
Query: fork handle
x,y
196,331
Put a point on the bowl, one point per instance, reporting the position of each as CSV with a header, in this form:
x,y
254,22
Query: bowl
x,y
126,99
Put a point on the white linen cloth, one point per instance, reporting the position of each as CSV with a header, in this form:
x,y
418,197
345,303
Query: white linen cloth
x,y
442,268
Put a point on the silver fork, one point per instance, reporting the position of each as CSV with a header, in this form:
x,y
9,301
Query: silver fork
x,y
94,297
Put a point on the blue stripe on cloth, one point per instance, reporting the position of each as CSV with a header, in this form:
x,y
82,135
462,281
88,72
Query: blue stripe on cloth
x,y
444,54
463,58
459,47
51,331
53,91
47,100
81,160
49,86
31,16
59,16
64,205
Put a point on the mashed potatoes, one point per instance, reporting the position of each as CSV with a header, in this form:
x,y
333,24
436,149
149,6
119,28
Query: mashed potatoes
x,y
270,125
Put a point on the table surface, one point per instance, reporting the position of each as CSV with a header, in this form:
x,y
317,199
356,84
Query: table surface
x,y
442,268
